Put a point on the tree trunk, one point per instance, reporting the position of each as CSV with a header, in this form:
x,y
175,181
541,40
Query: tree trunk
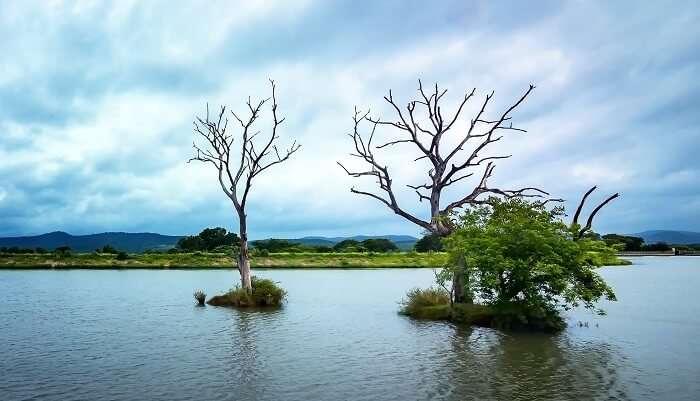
x,y
443,228
244,258
458,286
459,283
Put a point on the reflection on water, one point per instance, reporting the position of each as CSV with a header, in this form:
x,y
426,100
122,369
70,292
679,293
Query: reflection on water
x,y
529,366
124,335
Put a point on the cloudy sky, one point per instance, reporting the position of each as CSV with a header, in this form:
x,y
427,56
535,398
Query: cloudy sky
x,y
97,102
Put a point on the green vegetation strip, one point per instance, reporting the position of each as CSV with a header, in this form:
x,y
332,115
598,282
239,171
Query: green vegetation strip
x,y
221,261
204,260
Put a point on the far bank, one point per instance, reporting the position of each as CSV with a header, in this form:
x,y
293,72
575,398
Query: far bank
x,y
203,260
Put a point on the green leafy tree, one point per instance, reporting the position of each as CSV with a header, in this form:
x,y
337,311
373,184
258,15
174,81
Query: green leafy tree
x,y
108,249
628,243
348,245
190,243
526,263
62,251
429,243
208,240
322,249
379,245
274,245
215,237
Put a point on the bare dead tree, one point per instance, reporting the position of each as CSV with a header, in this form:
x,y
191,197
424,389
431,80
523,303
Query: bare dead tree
x,y
581,231
447,167
237,166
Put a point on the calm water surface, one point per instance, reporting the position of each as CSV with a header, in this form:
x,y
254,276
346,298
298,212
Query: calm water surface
x,y
136,335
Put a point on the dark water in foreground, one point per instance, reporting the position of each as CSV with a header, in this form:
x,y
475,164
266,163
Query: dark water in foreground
x,y
136,335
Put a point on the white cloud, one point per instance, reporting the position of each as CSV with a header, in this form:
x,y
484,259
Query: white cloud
x,y
124,144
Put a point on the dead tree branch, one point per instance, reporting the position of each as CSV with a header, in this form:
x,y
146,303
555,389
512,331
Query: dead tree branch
x,y
581,231
427,138
237,169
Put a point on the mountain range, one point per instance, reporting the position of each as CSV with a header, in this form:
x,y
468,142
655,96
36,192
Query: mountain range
x,y
130,242
139,242
669,236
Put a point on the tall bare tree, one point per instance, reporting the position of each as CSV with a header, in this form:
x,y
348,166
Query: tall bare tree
x,y
238,165
446,167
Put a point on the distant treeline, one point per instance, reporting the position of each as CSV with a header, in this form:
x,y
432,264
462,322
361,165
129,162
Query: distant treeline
x,y
635,244
61,251
349,245
220,240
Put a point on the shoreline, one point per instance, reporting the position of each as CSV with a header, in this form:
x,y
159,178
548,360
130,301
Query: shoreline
x,y
213,261
398,260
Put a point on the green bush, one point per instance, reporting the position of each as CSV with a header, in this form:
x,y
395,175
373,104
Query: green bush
x,y
107,249
259,252
322,249
521,315
418,298
274,245
348,245
379,245
429,243
522,260
62,251
226,249
207,240
122,255
265,293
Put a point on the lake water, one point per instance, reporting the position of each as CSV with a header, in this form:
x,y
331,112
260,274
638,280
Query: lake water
x,y
136,335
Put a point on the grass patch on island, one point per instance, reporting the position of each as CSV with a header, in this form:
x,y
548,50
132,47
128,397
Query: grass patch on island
x,y
434,304
265,293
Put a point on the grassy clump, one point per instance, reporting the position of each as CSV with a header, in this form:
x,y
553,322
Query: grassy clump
x,y
200,296
419,300
614,260
265,293
434,304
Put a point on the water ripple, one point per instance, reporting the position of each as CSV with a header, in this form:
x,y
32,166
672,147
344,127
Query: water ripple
x,y
85,335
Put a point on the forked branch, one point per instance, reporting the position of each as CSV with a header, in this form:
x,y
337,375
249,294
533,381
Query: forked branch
x,y
589,222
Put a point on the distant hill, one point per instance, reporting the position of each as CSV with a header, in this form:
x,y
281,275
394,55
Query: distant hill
x,y
669,236
129,242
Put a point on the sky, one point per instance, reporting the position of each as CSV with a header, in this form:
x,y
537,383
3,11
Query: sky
x,y
97,101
